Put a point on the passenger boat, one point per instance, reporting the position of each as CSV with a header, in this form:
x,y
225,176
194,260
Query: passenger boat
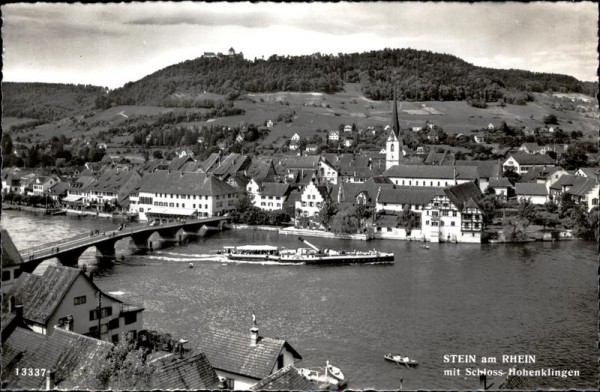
x,y
401,360
311,255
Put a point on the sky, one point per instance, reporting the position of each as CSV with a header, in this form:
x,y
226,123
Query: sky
x,y
112,44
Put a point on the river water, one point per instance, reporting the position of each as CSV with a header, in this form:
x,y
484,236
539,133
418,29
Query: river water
x,y
485,300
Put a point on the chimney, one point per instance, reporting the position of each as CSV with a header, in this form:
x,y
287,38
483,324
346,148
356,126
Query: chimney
x,y
18,312
11,304
50,380
253,332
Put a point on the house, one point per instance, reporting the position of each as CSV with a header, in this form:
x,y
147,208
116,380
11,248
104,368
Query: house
x,y
439,158
454,216
191,373
490,127
348,129
179,162
67,297
583,190
211,162
328,174
269,196
243,359
355,174
287,378
534,192
485,170
312,149
60,360
348,142
12,262
431,176
311,200
294,146
59,191
590,172
450,214
296,137
501,186
232,164
113,186
360,193
10,183
479,139
77,193
546,176
521,163
270,124
531,148
42,184
209,55
334,136
164,194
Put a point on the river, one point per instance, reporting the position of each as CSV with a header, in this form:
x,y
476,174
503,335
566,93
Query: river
x,y
485,300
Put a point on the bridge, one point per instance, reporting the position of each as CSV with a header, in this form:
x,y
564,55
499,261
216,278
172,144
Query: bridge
x,y
68,250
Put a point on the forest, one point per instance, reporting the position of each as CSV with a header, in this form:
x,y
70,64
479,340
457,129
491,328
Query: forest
x,y
415,74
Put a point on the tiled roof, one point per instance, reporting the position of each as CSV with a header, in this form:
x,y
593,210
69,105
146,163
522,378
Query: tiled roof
x,y
261,170
460,194
566,180
191,373
41,295
532,146
210,162
293,197
583,186
232,164
370,187
296,162
485,169
530,189
10,254
428,171
362,172
59,188
178,163
541,172
439,158
69,354
112,180
591,172
285,379
231,351
306,178
274,189
532,159
409,195
500,182
162,181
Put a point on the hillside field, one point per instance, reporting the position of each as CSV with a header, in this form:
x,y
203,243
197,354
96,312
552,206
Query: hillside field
x,y
312,111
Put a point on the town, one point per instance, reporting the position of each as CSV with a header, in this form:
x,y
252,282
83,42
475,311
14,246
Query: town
x,y
149,224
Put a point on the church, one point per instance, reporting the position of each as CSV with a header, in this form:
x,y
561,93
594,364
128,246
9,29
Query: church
x,y
394,143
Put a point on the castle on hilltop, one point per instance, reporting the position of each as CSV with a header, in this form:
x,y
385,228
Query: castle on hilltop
x,y
230,53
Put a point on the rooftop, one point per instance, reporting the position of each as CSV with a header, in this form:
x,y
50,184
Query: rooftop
x,y
231,351
181,183
191,373
432,172
530,189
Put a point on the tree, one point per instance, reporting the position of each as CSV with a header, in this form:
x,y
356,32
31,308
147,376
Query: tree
x,y
346,221
550,119
575,157
512,175
327,211
157,154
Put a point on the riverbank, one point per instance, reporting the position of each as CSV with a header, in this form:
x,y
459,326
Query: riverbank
x,y
296,231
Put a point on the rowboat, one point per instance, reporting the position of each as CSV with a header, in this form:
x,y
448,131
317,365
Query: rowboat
x,y
401,360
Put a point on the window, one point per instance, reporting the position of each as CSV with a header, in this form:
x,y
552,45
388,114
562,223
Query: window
x,y
391,148
115,338
427,223
107,311
130,318
452,223
5,275
113,324
453,213
79,300
388,228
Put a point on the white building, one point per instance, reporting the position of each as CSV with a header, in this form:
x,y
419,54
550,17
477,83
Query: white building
x,y
533,192
522,162
269,196
311,200
66,297
42,184
242,359
334,136
328,174
164,194
431,176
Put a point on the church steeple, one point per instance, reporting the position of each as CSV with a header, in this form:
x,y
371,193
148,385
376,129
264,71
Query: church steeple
x,y
395,122
393,145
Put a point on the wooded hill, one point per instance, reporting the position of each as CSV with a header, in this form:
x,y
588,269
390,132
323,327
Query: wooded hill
x,y
48,101
417,75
